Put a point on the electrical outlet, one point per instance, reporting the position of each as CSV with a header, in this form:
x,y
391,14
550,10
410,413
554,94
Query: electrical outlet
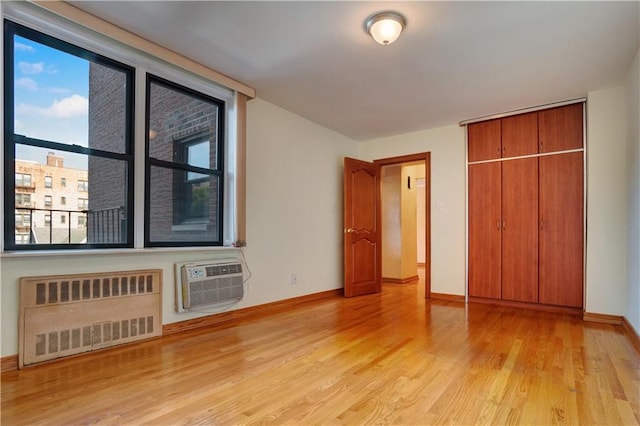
x,y
293,279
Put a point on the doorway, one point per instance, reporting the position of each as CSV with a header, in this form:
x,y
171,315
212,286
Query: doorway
x,y
405,184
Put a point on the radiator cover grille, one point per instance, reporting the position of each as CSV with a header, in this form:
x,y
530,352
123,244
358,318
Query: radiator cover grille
x,y
65,315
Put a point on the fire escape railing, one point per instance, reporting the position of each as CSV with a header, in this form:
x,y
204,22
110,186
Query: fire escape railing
x,y
100,226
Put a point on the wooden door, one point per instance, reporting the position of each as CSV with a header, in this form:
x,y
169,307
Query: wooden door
x,y
485,230
484,140
520,135
561,128
520,230
561,229
362,250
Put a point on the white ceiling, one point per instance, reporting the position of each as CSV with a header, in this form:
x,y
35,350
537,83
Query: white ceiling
x,y
455,60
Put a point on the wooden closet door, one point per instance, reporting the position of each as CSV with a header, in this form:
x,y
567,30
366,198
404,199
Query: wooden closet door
x,y
520,230
561,229
485,230
561,128
520,135
484,140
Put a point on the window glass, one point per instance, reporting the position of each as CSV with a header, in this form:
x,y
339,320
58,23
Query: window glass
x,y
69,118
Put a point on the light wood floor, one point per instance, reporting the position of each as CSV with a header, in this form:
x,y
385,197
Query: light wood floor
x,y
390,358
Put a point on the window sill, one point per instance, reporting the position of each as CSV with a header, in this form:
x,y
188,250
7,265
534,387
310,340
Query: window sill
x,y
107,252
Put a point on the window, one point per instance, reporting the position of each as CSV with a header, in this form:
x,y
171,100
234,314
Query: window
x,y
63,219
93,96
22,238
82,116
23,219
23,180
184,166
23,200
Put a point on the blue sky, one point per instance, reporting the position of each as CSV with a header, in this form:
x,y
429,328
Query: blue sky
x,y
51,98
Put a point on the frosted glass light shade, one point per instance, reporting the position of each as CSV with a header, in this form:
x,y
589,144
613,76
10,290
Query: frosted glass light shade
x,y
385,28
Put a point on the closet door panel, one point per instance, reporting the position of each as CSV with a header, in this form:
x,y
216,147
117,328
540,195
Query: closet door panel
x,y
520,230
561,229
485,230
484,140
561,128
520,135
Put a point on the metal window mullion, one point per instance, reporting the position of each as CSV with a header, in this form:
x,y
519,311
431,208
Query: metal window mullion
x,y
76,149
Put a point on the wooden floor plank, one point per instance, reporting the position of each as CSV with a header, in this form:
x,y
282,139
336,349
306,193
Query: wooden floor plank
x,y
391,358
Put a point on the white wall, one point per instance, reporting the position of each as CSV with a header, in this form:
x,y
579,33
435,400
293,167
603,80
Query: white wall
x,y
294,223
447,147
606,203
294,203
632,93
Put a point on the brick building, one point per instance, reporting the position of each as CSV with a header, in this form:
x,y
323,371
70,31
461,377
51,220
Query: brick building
x,y
181,127
50,202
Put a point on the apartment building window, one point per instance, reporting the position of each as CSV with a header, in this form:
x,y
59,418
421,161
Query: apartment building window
x,y
23,180
185,174
22,238
23,200
82,221
63,201
94,96
63,219
23,219
47,219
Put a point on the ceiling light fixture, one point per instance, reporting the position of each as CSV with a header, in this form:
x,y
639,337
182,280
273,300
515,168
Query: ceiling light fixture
x,y
385,27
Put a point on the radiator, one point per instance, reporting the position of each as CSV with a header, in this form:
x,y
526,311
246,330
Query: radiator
x,y
207,283
65,315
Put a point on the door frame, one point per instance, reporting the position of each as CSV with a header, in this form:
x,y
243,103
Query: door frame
x,y
426,157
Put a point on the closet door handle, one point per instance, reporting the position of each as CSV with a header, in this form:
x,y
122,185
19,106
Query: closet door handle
x,y
542,224
498,152
504,151
504,225
498,225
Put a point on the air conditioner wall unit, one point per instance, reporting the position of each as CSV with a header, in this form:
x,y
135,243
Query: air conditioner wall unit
x,y
208,283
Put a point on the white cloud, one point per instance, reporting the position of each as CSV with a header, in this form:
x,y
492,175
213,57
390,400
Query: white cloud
x,y
18,125
23,47
30,67
27,83
73,106
60,90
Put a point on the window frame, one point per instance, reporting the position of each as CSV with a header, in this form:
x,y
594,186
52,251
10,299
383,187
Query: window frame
x,y
77,28
218,172
11,139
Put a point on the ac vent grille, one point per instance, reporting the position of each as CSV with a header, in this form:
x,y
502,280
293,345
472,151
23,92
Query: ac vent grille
x,y
71,314
209,283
